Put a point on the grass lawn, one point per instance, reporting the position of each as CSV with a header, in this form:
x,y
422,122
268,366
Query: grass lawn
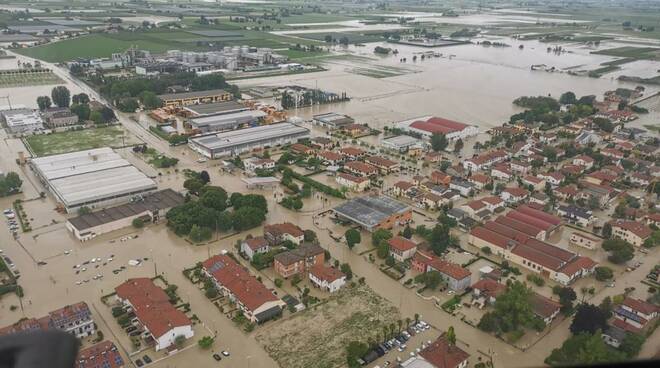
x,y
76,140
318,336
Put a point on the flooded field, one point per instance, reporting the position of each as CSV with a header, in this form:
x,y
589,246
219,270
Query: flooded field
x,y
469,83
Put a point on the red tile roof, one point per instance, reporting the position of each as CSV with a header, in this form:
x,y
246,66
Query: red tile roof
x,y
245,287
257,243
526,209
476,205
492,237
330,156
544,307
640,306
401,244
506,231
152,306
634,227
361,167
329,274
353,178
551,250
450,269
404,185
532,231
489,287
443,355
380,161
516,192
488,156
284,228
351,151
438,125
479,178
530,220
493,200
579,264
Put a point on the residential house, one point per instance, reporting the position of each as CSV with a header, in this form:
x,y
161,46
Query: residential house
x,y
151,305
298,260
360,168
75,319
327,278
301,149
501,172
584,161
567,192
641,180
544,308
634,315
479,180
464,187
278,233
493,203
101,355
352,153
486,291
456,277
254,163
352,182
252,246
536,183
520,167
554,178
576,215
612,153
257,303
441,354
633,232
485,160
514,195
539,198
440,178
384,165
323,143
401,248
403,188
329,158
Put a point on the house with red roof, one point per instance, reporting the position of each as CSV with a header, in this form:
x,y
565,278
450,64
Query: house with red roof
x,y
612,153
501,171
275,234
383,164
352,153
493,202
634,315
536,182
640,179
102,355
567,192
485,160
330,158
486,291
151,305
252,246
520,167
75,319
544,308
352,182
301,149
298,260
554,178
327,278
440,178
514,194
360,168
401,248
584,161
634,232
479,180
257,303
440,354
456,277
403,188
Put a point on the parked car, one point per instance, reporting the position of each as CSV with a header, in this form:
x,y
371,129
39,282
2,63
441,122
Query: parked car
x,y
139,363
146,359
225,353
217,357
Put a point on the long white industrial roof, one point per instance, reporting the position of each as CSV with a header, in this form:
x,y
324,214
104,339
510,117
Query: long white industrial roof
x,y
249,135
93,175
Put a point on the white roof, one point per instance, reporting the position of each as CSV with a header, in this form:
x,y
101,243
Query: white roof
x,y
90,176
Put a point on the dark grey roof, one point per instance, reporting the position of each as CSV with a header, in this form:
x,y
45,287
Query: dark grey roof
x,y
457,213
370,210
268,314
175,96
216,107
162,199
298,254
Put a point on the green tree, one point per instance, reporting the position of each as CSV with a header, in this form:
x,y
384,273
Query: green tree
x,y
96,117
61,96
138,223
607,230
603,273
451,336
82,111
568,98
205,342
215,198
81,98
379,235
383,250
407,232
200,233
583,349
193,185
346,269
458,146
352,237
246,218
179,341
10,184
588,318
632,344
43,102
150,100
439,142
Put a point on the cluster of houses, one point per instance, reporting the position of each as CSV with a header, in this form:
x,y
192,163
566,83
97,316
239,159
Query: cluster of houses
x,y
632,316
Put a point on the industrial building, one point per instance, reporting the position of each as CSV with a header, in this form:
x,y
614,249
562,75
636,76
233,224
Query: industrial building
x,y
374,212
245,140
226,121
333,120
429,125
401,143
21,121
93,178
197,97
215,108
151,208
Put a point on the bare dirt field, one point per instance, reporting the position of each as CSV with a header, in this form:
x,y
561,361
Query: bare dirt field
x,y
317,337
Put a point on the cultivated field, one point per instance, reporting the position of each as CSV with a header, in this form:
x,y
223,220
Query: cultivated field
x,y
317,337
77,140
28,79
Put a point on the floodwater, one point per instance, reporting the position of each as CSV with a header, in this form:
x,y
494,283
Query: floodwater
x,y
27,96
470,83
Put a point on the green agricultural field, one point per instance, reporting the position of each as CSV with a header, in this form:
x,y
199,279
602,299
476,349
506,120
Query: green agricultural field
x,y
31,79
77,140
353,37
647,53
315,18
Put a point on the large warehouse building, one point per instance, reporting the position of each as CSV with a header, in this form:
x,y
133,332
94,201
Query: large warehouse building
x,y
374,212
245,140
429,125
93,178
226,121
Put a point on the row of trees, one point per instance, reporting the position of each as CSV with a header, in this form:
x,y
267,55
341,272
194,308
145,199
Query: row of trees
x,y
10,183
78,104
